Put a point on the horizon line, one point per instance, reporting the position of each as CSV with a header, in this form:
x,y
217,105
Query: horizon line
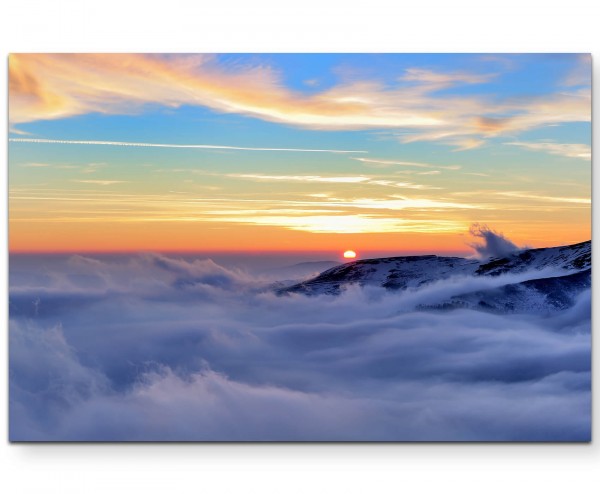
x,y
400,252
249,252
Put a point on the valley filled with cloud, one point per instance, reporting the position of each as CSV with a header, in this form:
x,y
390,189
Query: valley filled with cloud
x,y
152,347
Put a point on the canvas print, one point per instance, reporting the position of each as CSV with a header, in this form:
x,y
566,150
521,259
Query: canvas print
x,y
299,247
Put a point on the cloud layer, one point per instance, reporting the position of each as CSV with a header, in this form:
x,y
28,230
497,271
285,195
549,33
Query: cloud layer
x,y
152,347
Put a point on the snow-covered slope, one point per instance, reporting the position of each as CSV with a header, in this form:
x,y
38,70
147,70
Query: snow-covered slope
x,y
393,273
543,296
549,278
571,257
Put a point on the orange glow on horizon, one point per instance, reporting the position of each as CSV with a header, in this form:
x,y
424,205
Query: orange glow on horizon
x,y
121,238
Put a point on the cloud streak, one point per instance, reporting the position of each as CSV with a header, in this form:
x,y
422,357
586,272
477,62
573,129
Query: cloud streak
x,y
387,163
302,178
176,146
348,179
100,182
345,223
542,198
445,79
569,150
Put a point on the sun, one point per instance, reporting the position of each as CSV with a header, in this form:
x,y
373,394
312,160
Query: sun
x,y
349,254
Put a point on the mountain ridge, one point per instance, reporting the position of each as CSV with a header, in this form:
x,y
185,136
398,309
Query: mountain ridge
x,y
554,277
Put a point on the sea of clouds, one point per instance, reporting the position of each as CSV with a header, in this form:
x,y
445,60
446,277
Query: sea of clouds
x,y
151,348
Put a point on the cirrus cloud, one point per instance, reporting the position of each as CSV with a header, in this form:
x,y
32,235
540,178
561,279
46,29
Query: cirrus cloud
x,y
570,150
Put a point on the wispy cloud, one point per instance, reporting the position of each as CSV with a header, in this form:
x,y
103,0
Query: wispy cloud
x,y
538,197
13,130
404,185
530,197
399,203
387,163
349,223
570,150
92,167
445,79
349,179
581,74
470,126
466,144
319,213
100,182
51,86
301,178
86,168
177,146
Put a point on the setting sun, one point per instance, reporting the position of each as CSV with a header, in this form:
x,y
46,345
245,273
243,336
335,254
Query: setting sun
x,y
349,254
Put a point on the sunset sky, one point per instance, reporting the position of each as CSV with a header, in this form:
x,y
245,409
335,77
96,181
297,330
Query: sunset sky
x,y
280,152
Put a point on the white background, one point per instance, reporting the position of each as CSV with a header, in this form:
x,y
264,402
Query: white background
x,y
310,25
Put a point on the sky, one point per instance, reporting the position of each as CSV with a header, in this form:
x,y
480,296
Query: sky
x,y
297,152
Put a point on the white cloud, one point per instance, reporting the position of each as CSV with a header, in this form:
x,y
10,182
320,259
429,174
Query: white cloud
x,y
301,178
347,223
176,146
543,198
100,182
348,179
444,79
406,163
581,74
570,150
